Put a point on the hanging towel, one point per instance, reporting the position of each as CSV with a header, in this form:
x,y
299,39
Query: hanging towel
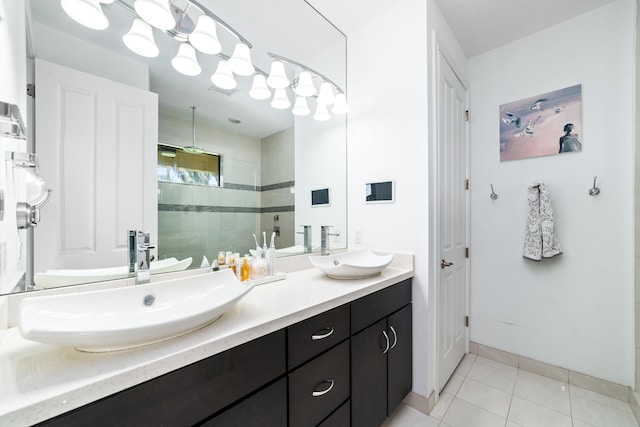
x,y
540,240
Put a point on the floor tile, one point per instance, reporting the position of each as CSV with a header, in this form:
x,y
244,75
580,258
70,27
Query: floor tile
x,y
529,414
485,396
599,414
453,385
465,364
464,414
600,398
493,373
442,406
544,391
406,416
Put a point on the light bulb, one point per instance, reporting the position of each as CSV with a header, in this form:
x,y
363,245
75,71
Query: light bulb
x,y
259,89
86,12
305,85
140,39
240,62
204,37
340,106
280,99
185,61
326,96
301,108
277,77
223,77
156,13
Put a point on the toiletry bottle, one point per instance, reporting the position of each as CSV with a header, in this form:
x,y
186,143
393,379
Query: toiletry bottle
x,y
271,256
264,244
232,264
245,269
215,265
221,257
205,262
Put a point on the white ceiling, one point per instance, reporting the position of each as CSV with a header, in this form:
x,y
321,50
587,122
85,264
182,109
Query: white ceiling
x,y
479,25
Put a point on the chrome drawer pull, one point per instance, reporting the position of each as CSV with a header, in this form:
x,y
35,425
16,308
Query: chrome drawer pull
x,y
387,338
317,393
320,336
395,337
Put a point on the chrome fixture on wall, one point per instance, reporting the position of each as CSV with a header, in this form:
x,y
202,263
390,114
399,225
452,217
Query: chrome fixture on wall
x,y
195,27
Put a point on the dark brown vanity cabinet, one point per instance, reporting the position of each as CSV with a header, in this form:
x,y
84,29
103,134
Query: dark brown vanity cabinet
x,y
381,347
330,370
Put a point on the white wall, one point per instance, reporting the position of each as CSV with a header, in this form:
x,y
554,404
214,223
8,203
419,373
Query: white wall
x,y
387,139
63,49
576,310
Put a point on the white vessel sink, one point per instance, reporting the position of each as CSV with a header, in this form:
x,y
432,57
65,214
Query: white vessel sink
x,y
132,316
55,278
351,265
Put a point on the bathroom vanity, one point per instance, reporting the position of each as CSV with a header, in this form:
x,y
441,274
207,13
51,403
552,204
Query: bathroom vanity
x,y
308,350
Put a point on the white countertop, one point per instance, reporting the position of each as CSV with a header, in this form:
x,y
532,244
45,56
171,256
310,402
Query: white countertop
x,y
39,381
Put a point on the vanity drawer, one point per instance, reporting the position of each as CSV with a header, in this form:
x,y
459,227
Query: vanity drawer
x,y
319,387
340,418
317,334
268,407
190,394
371,308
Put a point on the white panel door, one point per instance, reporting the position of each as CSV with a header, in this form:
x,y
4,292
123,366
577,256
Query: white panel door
x,y
96,142
452,221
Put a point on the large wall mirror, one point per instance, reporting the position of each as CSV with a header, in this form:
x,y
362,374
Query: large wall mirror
x,y
269,159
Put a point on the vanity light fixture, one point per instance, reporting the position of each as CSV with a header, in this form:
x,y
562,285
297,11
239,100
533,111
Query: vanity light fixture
x,y
303,87
177,20
86,12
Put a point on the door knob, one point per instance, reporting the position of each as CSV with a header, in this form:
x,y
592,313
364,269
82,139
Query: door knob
x,y
444,264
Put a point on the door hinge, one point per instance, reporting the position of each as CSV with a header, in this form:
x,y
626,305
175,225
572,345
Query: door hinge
x,y
466,252
466,115
31,90
466,184
466,321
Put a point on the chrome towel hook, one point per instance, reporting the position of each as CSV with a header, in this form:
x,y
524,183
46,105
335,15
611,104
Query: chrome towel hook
x,y
493,194
594,191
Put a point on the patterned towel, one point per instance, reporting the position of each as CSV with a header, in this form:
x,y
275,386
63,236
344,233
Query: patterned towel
x,y
540,241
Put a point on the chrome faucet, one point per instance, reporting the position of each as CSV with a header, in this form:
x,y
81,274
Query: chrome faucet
x,y
139,259
324,239
307,238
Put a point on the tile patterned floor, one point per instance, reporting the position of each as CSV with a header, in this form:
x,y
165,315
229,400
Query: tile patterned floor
x,y
486,393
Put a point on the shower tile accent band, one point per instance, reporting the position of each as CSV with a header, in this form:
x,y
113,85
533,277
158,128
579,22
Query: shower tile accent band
x,y
165,207
245,187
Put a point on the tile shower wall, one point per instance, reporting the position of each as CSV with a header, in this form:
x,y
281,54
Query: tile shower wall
x,y
194,220
277,196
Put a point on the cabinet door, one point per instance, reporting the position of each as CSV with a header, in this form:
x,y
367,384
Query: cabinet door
x,y
399,357
369,376
268,407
